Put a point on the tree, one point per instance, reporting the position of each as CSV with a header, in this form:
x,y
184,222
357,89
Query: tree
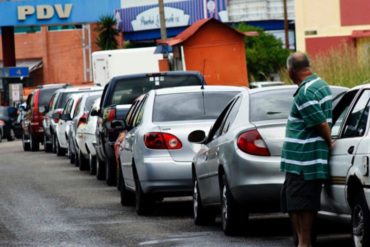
x,y
107,33
265,53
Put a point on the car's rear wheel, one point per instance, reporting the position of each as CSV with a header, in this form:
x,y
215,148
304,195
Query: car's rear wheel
x,y
232,216
127,197
92,164
25,144
35,145
110,173
48,147
11,136
201,215
144,203
71,155
84,163
100,169
59,150
360,221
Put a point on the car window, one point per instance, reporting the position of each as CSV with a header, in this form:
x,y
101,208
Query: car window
x,y
51,101
131,113
128,89
217,126
231,116
271,104
140,112
29,101
68,107
340,112
78,107
45,96
356,122
90,101
190,106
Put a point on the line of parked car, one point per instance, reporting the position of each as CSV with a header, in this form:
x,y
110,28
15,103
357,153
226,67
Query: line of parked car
x,y
169,134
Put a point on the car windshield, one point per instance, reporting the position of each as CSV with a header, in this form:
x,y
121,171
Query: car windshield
x,y
45,96
190,106
271,104
64,97
127,90
90,101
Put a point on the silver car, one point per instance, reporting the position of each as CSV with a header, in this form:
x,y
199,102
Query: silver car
x,y
238,166
156,155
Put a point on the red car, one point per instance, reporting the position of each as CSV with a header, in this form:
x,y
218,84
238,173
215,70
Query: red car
x,y
37,102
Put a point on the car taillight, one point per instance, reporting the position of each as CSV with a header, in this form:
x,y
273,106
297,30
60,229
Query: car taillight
x,y
83,119
251,142
159,140
111,114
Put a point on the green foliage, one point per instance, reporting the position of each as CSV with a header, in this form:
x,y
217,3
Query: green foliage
x,y
342,66
265,53
107,33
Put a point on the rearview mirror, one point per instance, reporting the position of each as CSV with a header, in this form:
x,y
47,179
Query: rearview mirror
x,y
197,136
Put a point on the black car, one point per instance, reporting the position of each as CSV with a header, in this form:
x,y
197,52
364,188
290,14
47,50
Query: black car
x,y
116,100
8,125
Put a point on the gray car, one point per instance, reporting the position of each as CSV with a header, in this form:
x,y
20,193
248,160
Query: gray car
x,y
156,155
238,166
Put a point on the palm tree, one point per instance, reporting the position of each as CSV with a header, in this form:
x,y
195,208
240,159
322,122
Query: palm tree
x,y
108,33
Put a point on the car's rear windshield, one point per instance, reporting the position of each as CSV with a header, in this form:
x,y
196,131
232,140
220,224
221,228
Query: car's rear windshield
x,y
65,96
45,96
127,90
271,104
190,106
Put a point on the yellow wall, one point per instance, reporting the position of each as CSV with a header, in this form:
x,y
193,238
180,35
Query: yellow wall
x,y
322,16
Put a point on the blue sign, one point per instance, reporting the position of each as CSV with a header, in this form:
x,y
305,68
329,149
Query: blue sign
x,y
14,72
54,12
144,15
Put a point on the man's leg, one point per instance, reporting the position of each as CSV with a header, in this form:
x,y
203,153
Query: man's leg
x,y
303,222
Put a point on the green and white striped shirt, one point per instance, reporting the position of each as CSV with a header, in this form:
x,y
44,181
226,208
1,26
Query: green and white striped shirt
x,y
304,150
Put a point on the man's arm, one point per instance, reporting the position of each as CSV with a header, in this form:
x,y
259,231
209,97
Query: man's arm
x,y
324,130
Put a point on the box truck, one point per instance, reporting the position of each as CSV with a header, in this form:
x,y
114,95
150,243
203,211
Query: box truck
x,y
110,63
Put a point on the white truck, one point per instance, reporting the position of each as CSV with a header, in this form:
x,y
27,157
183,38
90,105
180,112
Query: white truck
x,y
110,63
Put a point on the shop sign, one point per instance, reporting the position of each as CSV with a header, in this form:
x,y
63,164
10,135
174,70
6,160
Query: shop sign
x,y
140,15
54,12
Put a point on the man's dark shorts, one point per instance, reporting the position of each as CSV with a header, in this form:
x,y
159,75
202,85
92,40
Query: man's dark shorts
x,y
298,194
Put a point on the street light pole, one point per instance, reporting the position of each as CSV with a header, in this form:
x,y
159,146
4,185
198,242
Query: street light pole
x,y
286,24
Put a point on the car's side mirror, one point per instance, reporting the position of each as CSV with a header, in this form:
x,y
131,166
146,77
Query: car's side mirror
x,y
118,124
66,117
197,136
94,112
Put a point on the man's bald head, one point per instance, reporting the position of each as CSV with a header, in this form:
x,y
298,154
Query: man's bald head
x,y
298,61
298,66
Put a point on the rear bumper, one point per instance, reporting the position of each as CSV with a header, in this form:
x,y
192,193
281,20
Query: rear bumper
x,y
165,176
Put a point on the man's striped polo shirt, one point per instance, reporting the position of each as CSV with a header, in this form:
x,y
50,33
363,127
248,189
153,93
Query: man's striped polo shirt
x,y
304,150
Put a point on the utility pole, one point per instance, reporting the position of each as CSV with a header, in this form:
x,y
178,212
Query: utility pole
x,y
286,24
162,18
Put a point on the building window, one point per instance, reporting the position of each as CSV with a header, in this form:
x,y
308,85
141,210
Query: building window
x,y
64,27
31,29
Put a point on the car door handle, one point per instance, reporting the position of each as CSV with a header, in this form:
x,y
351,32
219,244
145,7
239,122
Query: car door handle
x,y
351,149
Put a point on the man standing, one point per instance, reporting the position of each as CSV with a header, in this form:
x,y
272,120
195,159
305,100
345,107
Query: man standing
x,y
306,148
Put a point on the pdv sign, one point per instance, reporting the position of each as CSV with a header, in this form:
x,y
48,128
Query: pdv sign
x,y
44,12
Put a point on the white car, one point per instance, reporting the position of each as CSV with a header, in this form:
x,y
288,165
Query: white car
x,y
86,137
62,128
348,190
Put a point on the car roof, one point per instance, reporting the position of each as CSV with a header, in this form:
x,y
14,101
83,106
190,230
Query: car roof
x,y
77,89
156,74
190,89
263,89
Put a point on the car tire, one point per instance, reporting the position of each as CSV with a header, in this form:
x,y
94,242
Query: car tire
x,y
92,164
110,173
231,215
84,163
35,145
54,143
127,196
26,145
200,215
100,169
11,136
59,150
360,221
144,203
119,176
48,147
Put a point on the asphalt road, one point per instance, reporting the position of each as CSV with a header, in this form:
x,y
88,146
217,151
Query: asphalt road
x,y
45,201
